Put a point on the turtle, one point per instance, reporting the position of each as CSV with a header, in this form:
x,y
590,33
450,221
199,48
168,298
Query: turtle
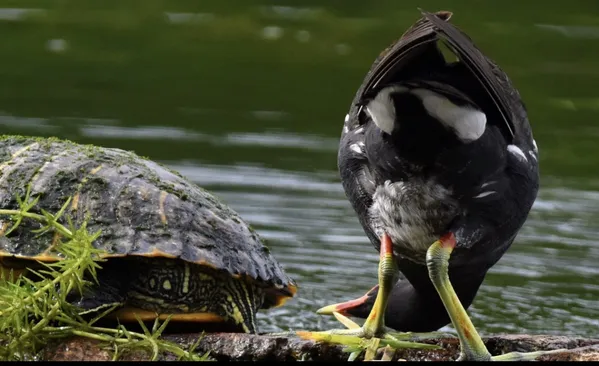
x,y
171,248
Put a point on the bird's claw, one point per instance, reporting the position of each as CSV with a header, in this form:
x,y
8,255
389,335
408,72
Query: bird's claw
x,y
356,340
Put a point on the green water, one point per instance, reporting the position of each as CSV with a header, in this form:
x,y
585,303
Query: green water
x,y
247,98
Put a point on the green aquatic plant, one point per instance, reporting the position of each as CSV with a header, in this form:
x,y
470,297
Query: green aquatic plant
x,y
34,308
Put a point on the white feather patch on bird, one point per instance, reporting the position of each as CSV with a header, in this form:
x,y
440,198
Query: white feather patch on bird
x,y
356,148
534,144
359,130
346,118
467,122
484,194
382,110
516,151
488,183
411,213
345,129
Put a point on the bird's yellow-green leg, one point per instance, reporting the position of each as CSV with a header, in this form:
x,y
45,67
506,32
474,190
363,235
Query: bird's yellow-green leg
x,y
388,275
437,261
372,335
472,347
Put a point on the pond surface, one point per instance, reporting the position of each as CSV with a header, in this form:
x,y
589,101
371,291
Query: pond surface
x,y
247,99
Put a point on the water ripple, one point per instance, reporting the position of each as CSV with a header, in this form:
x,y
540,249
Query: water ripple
x,y
314,233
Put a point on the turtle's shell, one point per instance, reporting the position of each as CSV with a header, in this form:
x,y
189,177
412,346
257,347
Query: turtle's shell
x,y
141,208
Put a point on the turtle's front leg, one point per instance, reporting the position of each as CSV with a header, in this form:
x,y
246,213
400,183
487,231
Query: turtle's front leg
x,y
98,298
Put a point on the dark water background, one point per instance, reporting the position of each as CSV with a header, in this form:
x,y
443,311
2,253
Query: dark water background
x,y
247,98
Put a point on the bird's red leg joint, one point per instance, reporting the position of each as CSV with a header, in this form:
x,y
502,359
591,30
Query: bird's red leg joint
x,y
448,241
386,246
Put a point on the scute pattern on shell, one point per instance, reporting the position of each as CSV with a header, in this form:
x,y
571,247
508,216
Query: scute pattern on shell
x,y
140,207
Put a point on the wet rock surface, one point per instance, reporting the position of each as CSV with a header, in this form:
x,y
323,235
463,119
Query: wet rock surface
x,y
244,347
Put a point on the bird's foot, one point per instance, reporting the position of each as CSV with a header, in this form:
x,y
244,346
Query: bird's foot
x,y
373,335
512,356
358,339
525,356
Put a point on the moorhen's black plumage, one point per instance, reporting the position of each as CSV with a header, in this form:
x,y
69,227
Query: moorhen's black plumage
x,y
438,160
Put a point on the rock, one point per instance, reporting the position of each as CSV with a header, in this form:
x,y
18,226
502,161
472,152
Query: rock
x,y
246,347
76,349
